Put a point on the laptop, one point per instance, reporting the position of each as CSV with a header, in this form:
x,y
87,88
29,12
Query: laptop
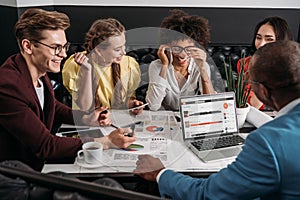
x,y
209,125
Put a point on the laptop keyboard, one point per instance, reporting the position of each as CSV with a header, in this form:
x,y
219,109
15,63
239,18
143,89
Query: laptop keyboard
x,y
220,142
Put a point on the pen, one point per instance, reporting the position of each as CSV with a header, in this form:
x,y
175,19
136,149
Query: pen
x,y
93,109
104,112
128,134
138,107
125,134
116,127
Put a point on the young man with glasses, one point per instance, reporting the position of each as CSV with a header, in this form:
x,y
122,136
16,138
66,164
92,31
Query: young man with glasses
x,y
268,165
28,107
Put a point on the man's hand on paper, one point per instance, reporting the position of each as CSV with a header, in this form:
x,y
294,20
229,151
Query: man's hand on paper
x,y
148,167
120,139
116,139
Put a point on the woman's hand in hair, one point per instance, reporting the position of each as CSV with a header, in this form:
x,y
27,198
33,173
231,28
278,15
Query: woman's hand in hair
x,y
79,58
164,54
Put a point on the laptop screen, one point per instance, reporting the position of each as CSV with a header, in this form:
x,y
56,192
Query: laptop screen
x,y
208,115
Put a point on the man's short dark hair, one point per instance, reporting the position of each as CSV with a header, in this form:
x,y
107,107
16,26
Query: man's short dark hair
x,y
33,21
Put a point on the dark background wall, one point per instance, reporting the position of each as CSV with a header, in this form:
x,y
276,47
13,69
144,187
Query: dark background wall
x,y
8,18
228,25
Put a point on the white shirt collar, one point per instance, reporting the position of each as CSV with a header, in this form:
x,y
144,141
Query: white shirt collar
x,y
288,107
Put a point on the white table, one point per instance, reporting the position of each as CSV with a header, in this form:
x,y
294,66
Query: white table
x,y
180,158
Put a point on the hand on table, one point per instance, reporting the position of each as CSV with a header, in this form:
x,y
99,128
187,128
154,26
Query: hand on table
x,y
148,167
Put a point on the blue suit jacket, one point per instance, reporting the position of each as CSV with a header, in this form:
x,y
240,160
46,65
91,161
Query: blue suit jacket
x,y
268,167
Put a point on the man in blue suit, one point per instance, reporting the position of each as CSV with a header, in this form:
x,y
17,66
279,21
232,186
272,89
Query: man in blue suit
x,y
268,166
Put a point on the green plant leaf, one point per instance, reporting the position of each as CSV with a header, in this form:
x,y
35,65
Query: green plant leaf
x,y
238,85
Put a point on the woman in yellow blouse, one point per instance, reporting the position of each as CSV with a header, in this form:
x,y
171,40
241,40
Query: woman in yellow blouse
x,y
103,75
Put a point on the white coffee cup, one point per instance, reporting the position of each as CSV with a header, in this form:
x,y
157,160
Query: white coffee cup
x,y
91,152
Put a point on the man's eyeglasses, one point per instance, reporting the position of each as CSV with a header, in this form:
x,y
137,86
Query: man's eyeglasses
x,y
57,49
179,49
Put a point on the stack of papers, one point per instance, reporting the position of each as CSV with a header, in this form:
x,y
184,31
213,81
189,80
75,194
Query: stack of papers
x,y
257,118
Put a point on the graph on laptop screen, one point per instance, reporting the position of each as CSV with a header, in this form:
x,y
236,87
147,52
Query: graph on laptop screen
x,y
206,115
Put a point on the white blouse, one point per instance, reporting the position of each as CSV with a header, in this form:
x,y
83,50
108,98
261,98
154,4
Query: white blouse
x,y
164,93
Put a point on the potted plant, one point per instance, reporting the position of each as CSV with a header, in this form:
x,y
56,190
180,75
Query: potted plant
x,y
237,83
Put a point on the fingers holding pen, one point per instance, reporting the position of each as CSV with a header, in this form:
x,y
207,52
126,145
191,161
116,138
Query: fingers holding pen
x,y
103,116
136,107
120,139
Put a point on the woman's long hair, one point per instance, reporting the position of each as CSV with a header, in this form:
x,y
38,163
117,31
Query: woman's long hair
x,y
97,36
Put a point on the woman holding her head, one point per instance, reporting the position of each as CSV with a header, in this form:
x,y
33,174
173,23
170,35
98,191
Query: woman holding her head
x,y
181,68
103,75
268,30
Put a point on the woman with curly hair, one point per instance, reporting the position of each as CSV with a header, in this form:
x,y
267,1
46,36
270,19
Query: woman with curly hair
x,y
181,68
103,75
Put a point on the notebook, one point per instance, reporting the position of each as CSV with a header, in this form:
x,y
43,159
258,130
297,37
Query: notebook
x,y
209,125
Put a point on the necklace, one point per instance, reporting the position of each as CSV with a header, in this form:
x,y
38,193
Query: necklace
x,y
181,78
181,75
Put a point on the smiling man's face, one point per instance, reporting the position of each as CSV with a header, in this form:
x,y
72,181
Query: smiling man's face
x,y
45,58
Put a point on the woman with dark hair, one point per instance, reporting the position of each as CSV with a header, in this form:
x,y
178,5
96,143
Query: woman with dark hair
x,y
103,75
268,30
181,68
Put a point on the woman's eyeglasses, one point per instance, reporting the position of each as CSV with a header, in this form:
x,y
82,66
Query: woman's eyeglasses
x,y
179,49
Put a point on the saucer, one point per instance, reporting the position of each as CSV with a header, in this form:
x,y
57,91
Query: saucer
x,y
82,163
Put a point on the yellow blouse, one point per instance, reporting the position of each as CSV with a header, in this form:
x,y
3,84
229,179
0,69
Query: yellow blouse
x,y
130,76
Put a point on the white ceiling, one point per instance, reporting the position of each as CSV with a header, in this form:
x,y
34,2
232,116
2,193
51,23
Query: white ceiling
x,y
160,3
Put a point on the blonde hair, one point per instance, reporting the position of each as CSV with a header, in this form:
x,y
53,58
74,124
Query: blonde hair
x,y
100,31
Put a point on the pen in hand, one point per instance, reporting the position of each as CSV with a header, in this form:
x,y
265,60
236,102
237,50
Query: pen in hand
x,y
125,134
138,107
116,127
104,112
93,109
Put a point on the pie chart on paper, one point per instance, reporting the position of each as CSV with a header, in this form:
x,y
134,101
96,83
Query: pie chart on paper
x,y
154,129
